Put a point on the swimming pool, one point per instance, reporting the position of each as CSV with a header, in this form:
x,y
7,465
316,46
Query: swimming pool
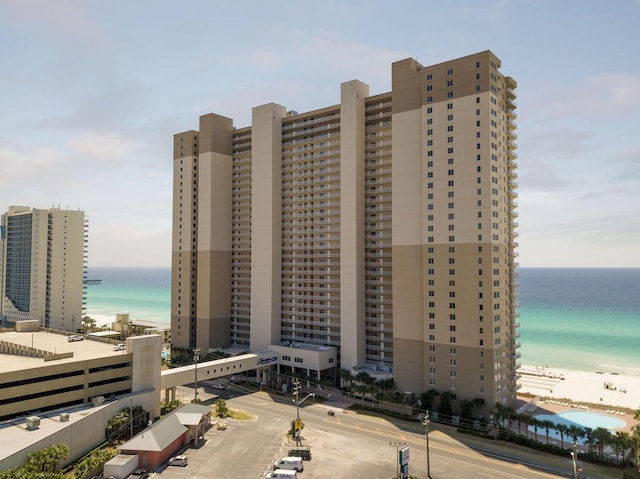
x,y
582,419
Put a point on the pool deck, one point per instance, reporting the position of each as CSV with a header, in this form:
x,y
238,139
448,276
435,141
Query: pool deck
x,y
539,406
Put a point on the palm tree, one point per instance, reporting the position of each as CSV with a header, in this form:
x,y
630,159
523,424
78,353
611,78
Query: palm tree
x,y
445,408
385,386
365,383
527,420
535,422
88,324
601,438
427,398
635,441
588,434
562,430
511,416
47,460
621,442
465,412
547,425
499,414
576,432
347,379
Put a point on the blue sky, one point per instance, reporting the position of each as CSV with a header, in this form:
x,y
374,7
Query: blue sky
x,y
93,91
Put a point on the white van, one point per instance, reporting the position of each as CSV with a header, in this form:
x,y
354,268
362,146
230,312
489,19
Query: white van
x,y
283,474
289,462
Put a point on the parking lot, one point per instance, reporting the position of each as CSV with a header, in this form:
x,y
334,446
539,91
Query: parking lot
x,y
247,449
346,444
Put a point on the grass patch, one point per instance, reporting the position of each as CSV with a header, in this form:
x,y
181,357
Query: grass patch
x,y
242,415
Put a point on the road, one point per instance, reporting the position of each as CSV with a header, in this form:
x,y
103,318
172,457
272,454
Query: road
x,y
347,444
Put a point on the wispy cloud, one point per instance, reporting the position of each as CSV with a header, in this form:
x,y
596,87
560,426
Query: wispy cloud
x,y
611,95
62,19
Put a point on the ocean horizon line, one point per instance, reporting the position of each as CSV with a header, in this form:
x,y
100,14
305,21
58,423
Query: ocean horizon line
x,y
519,267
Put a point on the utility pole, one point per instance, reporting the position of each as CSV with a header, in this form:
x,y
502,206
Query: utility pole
x,y
296,394
424,418
196,358
130,417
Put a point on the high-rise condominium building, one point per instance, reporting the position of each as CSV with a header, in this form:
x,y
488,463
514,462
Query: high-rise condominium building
x,y
42,266
377,233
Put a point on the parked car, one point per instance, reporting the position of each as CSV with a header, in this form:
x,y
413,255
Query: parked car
x,y
303,452
283,474
289,462
120,347
140,474
180,460
74,337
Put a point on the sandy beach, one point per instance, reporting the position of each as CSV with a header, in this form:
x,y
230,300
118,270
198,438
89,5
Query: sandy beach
x,y
606,389
103,319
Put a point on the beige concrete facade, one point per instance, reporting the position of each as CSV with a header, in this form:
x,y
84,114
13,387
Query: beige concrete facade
x,y
43,265
383,226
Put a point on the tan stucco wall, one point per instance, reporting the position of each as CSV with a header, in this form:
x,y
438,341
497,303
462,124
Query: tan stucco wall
x,y
266,225
352,153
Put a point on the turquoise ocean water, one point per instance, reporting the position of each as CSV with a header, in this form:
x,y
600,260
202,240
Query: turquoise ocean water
x,y
144,293
584,319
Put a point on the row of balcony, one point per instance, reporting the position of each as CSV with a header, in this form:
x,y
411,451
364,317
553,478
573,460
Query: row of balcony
x,y
286,126
381,124
378,106
311,131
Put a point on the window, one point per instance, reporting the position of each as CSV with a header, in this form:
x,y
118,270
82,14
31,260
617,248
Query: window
x,y
449,106
429,87
429,76
449,94
449,71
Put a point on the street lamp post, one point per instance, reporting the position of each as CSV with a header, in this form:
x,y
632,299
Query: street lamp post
x,y
196,358
574,457
424,418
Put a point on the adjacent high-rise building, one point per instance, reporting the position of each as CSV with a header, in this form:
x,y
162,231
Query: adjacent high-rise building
x,y
377,234
43,266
